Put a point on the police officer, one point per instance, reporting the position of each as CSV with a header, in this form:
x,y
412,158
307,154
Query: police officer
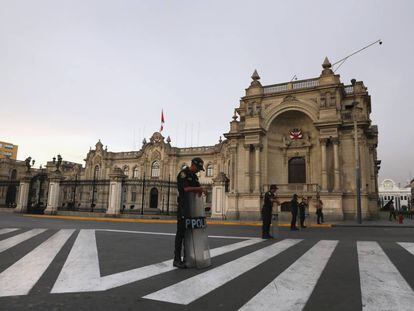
x,y
302,210
269,198
187,181
294,205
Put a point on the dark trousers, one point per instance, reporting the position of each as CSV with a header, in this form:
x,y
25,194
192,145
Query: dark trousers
x,y
179,238
319,216
302,220
293,222
267,220
393,214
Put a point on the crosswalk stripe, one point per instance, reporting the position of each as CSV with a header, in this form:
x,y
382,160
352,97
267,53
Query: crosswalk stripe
x,y
292,288
195,287
382,286
7,230
81,273
19,278
17,239
408,246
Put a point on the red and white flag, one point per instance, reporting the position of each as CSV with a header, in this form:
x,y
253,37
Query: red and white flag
x,y
162,120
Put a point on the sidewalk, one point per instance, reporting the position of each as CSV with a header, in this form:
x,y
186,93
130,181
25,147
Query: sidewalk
x,y
171,219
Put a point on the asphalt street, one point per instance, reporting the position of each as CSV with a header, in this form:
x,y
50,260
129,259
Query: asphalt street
x,y
50,264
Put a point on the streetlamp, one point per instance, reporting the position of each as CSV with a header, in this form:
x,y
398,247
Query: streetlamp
x,y
357,163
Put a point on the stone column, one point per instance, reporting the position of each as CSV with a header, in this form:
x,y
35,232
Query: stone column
x,y
53,194
218,200
257,168
115,193
23,197
323,164
247,168
337,180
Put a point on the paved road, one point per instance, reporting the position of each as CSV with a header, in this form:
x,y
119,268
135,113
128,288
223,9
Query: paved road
x,y
65,265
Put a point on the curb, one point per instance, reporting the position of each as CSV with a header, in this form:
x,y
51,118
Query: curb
x,y
373,226
165,221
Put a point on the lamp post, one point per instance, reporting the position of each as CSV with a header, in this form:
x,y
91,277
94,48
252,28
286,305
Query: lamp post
x,y
357,164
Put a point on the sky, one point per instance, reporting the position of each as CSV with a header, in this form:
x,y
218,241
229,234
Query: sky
x,y
73,72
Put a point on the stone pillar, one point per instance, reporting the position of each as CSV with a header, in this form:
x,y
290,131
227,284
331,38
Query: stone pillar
x,y
219,195
323,164
53,194
247,168
337,180
115,193
23,197
257,168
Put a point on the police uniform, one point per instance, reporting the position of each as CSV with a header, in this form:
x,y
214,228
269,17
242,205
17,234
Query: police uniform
x,y
302,211
294,206
267,213
186,178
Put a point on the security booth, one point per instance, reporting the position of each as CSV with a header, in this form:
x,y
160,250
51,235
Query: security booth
x,y
197,251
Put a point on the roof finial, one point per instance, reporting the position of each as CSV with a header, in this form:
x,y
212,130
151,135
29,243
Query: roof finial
x,y
326,63
255,76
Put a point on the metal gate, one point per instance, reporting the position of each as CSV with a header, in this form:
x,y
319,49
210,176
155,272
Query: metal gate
x,y
84,195
8,193
38,193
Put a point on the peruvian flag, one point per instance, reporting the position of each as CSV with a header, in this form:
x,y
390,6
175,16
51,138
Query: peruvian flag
x,y
162,120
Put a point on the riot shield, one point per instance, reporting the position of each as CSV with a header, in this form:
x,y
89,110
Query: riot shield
x,y
197,251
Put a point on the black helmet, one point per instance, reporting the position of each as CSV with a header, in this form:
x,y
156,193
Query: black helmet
x,y
198,162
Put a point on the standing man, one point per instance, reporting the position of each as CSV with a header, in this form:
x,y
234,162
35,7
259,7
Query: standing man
x,y
302,210
392,211
187,181
269,198
294,206
319,208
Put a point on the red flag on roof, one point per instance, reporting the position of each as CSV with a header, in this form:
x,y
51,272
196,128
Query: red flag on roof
x,y
162,120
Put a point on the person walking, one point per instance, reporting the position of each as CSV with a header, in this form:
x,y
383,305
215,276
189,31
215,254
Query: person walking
x,y
187,182
294,206
302,210
319,212
269,199
392,211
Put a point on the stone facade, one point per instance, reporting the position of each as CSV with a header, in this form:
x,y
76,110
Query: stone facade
x,y
299,135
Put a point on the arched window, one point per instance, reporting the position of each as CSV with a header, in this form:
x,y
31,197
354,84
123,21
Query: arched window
x,y
96,172
155,169
126,170
135,173
209,170
297,171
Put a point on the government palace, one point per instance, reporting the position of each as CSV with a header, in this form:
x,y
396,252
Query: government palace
x,y
304,136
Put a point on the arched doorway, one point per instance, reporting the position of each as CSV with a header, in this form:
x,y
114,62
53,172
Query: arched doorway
x,y
154,198
297,171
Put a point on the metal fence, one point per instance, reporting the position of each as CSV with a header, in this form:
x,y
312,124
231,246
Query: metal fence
x,y
9,190
84,195
153,196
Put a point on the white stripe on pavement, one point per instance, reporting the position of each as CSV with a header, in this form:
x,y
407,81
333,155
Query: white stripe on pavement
x,y
17,239
293,287
173,234
193,288
382,286
19,278
408,246
81,273
7,230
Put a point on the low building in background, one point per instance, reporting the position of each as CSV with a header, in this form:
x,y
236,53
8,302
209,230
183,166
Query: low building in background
x,y
8,150
389,190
